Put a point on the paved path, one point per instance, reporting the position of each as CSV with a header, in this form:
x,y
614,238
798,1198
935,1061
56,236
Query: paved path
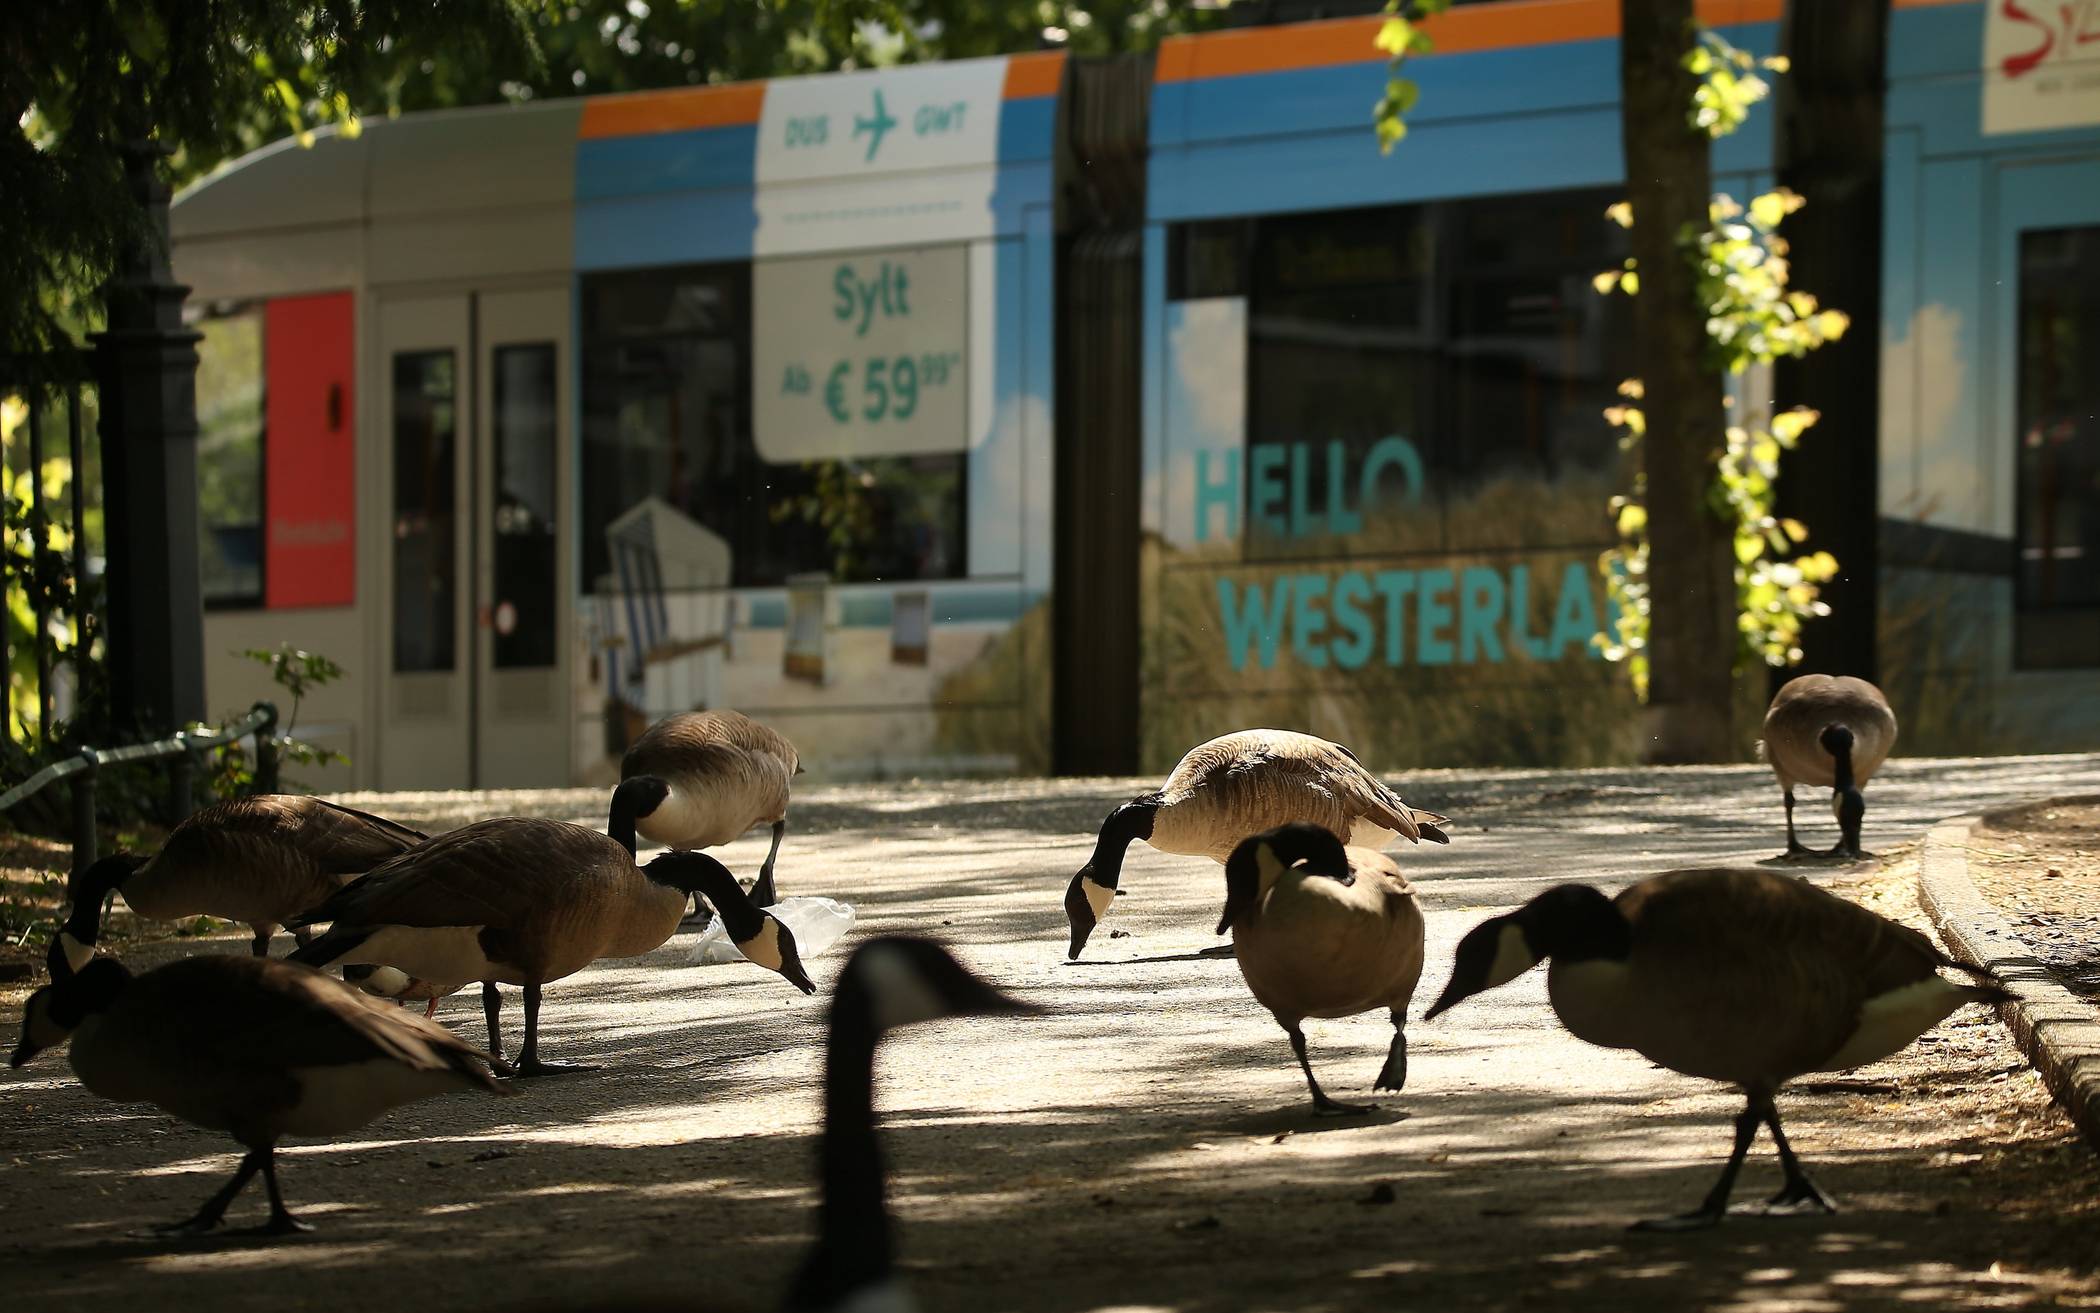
x,y
1146,1146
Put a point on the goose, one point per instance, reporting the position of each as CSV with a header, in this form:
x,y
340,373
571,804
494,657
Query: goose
x,y
727,773
253,1046
261,860
390,982
1238,785
1828,731
1324,931
525,901
889,982
1742,976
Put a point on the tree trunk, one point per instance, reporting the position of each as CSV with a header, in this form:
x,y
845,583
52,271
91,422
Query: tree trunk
x,y
1690,567
1830,150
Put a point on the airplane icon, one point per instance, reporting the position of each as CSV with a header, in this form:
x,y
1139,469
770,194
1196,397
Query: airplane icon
x,y
876,125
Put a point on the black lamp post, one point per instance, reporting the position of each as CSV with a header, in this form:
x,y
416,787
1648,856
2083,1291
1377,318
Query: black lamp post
x,y
145,366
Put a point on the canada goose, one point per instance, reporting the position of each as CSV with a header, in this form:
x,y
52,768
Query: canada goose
x,y
726,772
1238,785
1324,931
390,982
887,983
525,901
1748,977
255,1047
261,860
1831,732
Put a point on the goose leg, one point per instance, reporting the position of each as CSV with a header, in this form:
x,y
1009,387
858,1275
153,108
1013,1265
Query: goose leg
x,y
1799,1197
432,1010
762,892
529,1063
303,936
492,1012
1852,809
1393,1076
281,1220
1322,1105
1794,846
1715,1206
261,945
214,1209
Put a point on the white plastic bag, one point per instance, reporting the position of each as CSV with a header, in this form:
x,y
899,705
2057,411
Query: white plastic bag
x,y
816,923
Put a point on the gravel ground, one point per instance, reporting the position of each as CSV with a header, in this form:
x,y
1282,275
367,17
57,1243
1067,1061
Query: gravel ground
x,y
2040,866
1145,1146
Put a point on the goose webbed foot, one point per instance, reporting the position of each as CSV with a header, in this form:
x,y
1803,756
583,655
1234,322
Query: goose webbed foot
x,y
280,1223
1216,950
1849,851
1324,1106
207,1218
1799,1197
1795,848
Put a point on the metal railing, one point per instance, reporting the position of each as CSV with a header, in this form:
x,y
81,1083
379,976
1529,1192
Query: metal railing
x,y
261,721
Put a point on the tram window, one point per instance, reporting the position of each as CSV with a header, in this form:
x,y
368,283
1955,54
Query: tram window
x,y
2058,578
230,457
524,517
1207,259
426,431
1468,328
667,416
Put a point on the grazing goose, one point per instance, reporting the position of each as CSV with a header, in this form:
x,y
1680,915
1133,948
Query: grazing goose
x,y
1238,785
254,1047
1830,732
726,772
887,983
1324,931
1748,977
524,901
261,860
390,982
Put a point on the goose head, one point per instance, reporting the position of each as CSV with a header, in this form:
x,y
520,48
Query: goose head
x,y
634,799
758,934
1255,865
1571,923
56,1010
899,980
888,983
74,945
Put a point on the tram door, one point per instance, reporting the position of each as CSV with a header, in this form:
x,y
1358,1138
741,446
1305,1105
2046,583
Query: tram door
x,y
476,485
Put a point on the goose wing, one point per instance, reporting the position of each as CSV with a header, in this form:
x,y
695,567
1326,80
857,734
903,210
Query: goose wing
x,y
493,873
270,1018
346,841
698,740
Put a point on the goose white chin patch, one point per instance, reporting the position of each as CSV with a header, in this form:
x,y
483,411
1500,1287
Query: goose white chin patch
x,y
764,947
1513,956
900,990
77,954
1098,897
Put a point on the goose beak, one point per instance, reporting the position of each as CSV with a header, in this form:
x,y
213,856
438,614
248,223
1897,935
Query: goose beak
x,y
24,1051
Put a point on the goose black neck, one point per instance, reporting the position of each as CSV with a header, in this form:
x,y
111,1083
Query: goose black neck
x,y
854,1248
91,888
1125,825
1576,923
634,799
697,873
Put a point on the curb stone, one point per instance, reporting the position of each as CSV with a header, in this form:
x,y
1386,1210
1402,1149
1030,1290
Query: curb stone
x,y
2058,1032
